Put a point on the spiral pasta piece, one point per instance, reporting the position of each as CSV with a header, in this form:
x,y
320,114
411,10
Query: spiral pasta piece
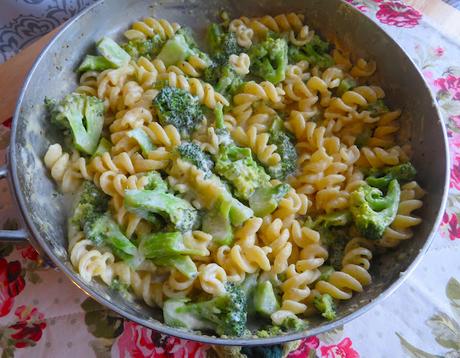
x,y
150,27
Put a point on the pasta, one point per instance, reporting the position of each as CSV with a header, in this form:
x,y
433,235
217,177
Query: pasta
x,y
210,174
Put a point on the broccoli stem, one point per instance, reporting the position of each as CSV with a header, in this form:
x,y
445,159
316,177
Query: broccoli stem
x,y
144,141
265,200
113,52
164,244
265,301
94,63
183,264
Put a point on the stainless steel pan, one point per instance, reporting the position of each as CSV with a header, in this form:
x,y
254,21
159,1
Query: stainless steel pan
x,y
42,207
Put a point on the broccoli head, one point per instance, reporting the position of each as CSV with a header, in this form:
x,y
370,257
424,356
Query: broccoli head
x,y
269,59
345,85
381,178
144,47
222,44
325,304
90,204
315,52
178,107
237,166
155,182
372,211
226,314
192,153
285,148
224,78
83,115
148,204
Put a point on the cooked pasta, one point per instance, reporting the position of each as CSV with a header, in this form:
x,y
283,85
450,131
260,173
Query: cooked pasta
x,y
201,177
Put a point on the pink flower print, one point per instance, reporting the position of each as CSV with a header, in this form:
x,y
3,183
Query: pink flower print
x,y
180,348
11,284
398,14
341,350
355,3
439,51
449,84
456,120
429,77
29,329
135,341
453,227
307,344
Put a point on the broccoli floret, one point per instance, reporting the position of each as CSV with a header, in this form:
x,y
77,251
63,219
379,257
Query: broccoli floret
x,y
266,199
83,115
372,211
377,108
225,314
89,204
293,323
325,304
345,85
144,47
224,78
285,148
104,231
178,107
222,44
326,272
273,351
165,244
183,264
192,153
269,59
150,203
113,52
144,141
265,301
104,146
335,219
315,52
381,178
94,63
270,331
155,182
236,165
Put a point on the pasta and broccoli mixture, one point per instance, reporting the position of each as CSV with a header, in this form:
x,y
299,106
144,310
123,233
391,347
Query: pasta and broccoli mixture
x,y
254,181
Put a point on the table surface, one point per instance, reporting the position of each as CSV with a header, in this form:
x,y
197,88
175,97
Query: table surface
x,y
42,314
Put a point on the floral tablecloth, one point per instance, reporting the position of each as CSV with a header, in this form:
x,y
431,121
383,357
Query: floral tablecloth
x,y
43,315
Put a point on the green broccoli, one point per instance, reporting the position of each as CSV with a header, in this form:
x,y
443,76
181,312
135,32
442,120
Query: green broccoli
x,y
265,300
334,219
265,199
221,130
104,231
192,153
83,115
183,264
315,52
326,272
155,182
377,108
224,79
222,44
345,85
237,166
144,47
113,52
363,138
372,212
269,59
95,63
285,148
226,314
144,141
165,244
270,331
89,204
293,323
104,146
178,107
381,178
217,222
325,304
150,203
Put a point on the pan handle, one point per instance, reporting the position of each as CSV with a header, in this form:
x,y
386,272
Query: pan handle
x,y
13,236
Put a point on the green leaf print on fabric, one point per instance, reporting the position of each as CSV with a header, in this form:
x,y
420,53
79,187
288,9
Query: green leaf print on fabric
x,y
101,322
445,330
414,352
453,293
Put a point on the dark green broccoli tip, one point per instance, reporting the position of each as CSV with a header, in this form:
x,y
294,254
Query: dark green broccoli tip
x,y
377,108
294,323
90,204
94,63
325,304
113,52
155,182
144,47
160,245
222,44
345,85
274,351
192,153
84,115
144,141
335,239
104,231
265,200
381,178
226,314
315,52
237,166
150,203
372,212
179,108
269,59
265,301
224,78
285,148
